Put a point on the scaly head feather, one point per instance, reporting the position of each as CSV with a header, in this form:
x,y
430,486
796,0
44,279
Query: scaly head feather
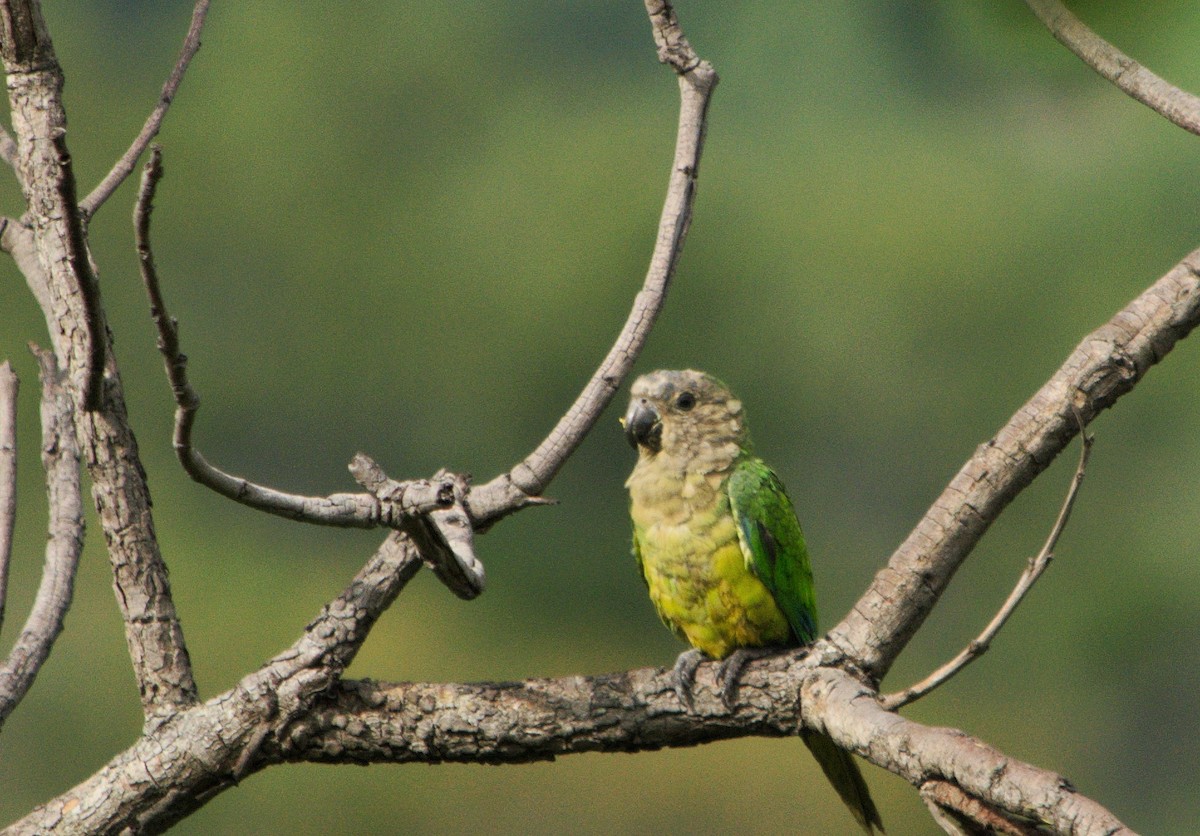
x,y
687,417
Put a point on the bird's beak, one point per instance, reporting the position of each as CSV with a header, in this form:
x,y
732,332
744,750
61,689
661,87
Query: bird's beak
x,y
643,426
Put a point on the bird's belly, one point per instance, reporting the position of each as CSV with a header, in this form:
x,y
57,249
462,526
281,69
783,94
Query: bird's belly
x,y
704,592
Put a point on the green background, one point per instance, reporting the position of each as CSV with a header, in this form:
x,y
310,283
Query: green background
x,y
414,229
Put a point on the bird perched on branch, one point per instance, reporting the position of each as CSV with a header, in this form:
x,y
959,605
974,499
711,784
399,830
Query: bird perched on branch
x,y
720,547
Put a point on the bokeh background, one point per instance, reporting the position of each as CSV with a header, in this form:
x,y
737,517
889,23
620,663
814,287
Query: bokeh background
x,y
414,229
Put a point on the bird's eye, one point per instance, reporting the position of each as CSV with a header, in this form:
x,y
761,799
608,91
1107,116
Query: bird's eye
x,y
685,401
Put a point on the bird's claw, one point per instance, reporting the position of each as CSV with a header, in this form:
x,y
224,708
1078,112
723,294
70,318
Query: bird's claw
x,y
683,675
731,668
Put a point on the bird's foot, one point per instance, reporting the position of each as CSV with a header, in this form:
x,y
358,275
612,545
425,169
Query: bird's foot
x,y
731,668
683,675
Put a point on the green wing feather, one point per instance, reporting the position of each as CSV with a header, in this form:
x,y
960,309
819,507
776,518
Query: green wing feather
x,y
773,543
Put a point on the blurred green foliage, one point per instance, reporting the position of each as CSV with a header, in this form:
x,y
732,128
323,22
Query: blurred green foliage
x,y
414,228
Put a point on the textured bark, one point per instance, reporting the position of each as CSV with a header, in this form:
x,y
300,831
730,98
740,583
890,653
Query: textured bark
x,y
293,710
55,259
198,752
60,460
43,168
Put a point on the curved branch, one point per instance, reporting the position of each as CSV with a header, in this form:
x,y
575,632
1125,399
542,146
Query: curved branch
x,y
1164,98
125,165
1108,363
60,459
389,503
697,79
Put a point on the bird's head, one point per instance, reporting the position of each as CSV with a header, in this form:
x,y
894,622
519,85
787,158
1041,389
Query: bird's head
x,y
682,413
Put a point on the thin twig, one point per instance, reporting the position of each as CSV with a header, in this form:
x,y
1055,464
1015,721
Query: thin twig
x,y
960,814
1033,570
8,473
390,503
60,459
697,79
1164,98
125,165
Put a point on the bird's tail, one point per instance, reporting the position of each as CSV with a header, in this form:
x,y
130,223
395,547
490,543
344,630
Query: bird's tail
x,y
842,772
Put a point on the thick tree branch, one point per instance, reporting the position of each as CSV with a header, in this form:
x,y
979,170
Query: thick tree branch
x,y
60,459
8,474
179,765
1107,364
209,747
124,166
697,79
44,169
42,249
841,705
1034,569
1164,98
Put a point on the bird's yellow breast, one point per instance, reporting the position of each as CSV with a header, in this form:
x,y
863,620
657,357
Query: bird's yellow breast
x,y
695,568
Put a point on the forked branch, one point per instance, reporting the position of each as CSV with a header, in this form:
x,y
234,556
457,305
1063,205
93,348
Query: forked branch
x,y
523,485
125,165
1108,363
1029,576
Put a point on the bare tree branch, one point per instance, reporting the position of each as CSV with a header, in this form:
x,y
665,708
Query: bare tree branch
x,y
400,500
8,473
1107,364
42,249
60,459
522,486
177,767
697,79
124,166
1033,570
432,512
44,170
1164,98
832,700
539,719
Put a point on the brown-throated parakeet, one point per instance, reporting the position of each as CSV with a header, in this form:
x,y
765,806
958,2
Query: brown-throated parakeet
x,y
719,545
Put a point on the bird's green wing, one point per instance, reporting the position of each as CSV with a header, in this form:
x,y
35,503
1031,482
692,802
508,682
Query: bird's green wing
x,y
773,543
